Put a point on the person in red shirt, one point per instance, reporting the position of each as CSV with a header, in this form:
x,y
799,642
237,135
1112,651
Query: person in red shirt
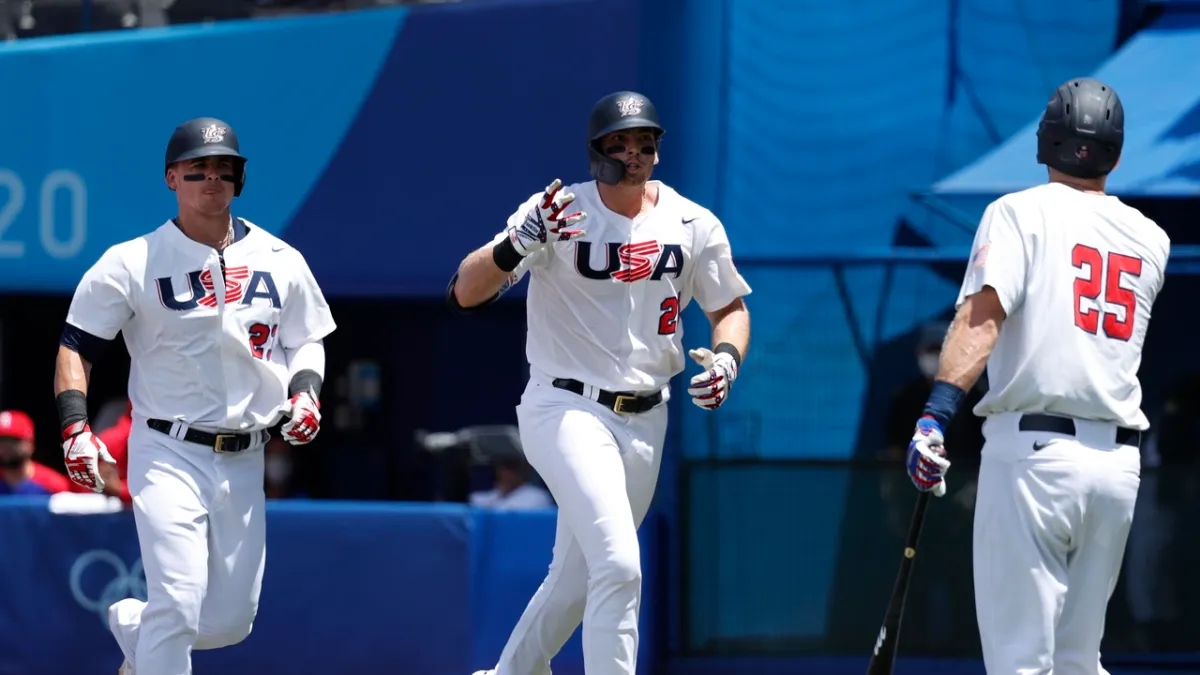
x,y
116,438
19,474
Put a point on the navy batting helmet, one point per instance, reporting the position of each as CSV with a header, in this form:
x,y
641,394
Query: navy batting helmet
x,y
615,112
1082,129
208,137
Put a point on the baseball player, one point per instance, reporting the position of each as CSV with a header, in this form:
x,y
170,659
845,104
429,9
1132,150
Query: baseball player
x,y
604,340
224,325
1055,301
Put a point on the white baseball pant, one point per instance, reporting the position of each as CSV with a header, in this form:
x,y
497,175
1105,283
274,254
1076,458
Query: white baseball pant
x,y
1049,536
202,531
602,468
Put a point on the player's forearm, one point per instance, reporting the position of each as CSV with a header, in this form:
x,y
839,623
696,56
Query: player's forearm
x,y
479,278
71,375
71,371
306,369
731,325
969,343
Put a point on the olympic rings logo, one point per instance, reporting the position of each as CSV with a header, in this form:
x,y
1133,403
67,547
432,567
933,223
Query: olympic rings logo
x,y
99,578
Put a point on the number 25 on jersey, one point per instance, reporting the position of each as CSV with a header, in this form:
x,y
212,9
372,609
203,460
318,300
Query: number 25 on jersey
x,y
1103,276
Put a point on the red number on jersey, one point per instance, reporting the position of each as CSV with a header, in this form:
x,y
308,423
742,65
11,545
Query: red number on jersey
x,y
1107,278
260,334
669,319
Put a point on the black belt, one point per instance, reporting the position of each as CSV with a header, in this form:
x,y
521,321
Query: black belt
x,y
624,402
1066,425
218,442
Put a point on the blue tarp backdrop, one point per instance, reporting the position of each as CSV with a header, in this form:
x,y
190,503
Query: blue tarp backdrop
x,y
350,588
384,155
1161,156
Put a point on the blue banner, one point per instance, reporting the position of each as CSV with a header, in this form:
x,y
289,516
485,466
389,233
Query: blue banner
x,y
349,588
385,155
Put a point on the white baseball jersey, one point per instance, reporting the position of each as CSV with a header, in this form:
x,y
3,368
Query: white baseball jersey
x,y
1077,274
604,308
206,344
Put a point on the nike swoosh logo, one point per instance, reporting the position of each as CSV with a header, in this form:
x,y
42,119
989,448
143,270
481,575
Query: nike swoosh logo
x,y
689,220
277,249
1040,446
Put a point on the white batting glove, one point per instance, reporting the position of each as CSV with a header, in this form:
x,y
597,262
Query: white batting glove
x,y
710,388
545,222
82,454
305,419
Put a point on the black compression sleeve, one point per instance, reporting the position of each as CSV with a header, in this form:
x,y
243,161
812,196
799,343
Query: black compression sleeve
x,y
89,346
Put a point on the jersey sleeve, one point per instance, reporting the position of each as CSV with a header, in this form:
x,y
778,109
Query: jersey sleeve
x,y
717,282
998,258
305,316
101,305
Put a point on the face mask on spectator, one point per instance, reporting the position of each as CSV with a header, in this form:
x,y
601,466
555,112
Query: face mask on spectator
x,y
928,363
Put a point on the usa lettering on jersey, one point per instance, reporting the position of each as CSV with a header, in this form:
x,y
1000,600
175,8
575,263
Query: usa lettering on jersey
x,y
631,262
201,293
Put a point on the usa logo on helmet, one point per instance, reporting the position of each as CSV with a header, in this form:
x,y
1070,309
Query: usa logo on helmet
x,y
630,105
213,133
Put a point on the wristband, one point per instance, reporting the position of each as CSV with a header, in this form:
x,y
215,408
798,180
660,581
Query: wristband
x,y
726,348
506,256
72,408
305,381
943,402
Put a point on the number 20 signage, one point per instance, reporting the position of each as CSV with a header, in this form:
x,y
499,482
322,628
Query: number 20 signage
x,y
57,242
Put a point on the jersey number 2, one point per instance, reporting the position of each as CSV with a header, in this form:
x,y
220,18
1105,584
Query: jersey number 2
x,y
260,335
1106,278
669,319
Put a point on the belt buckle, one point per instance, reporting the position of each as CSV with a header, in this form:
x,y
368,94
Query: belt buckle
x,y
619,404
219,446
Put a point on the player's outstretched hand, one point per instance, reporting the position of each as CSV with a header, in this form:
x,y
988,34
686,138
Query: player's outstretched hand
x,y
710,388
548,221
305,419
926,460
82,453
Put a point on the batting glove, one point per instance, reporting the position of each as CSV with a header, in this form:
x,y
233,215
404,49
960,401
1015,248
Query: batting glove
x,y
82,453
305,419
545,222
710,388
926,461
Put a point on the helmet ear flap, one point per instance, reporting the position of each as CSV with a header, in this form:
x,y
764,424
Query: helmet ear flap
x,y
239,178
603,168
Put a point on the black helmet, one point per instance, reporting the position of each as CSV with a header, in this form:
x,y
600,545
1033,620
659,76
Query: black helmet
x,y
207,137
622,110
1082,129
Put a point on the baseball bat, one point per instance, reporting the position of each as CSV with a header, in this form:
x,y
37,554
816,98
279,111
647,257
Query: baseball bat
x,y
883,659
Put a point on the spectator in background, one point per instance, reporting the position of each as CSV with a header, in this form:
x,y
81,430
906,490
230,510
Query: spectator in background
x,y
21,475
512,490
966,429
116,438
277,468
1157,566
937,600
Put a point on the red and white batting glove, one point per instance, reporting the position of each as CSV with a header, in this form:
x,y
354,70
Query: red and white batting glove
x,y
710,388
82,453
305,422
547,221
